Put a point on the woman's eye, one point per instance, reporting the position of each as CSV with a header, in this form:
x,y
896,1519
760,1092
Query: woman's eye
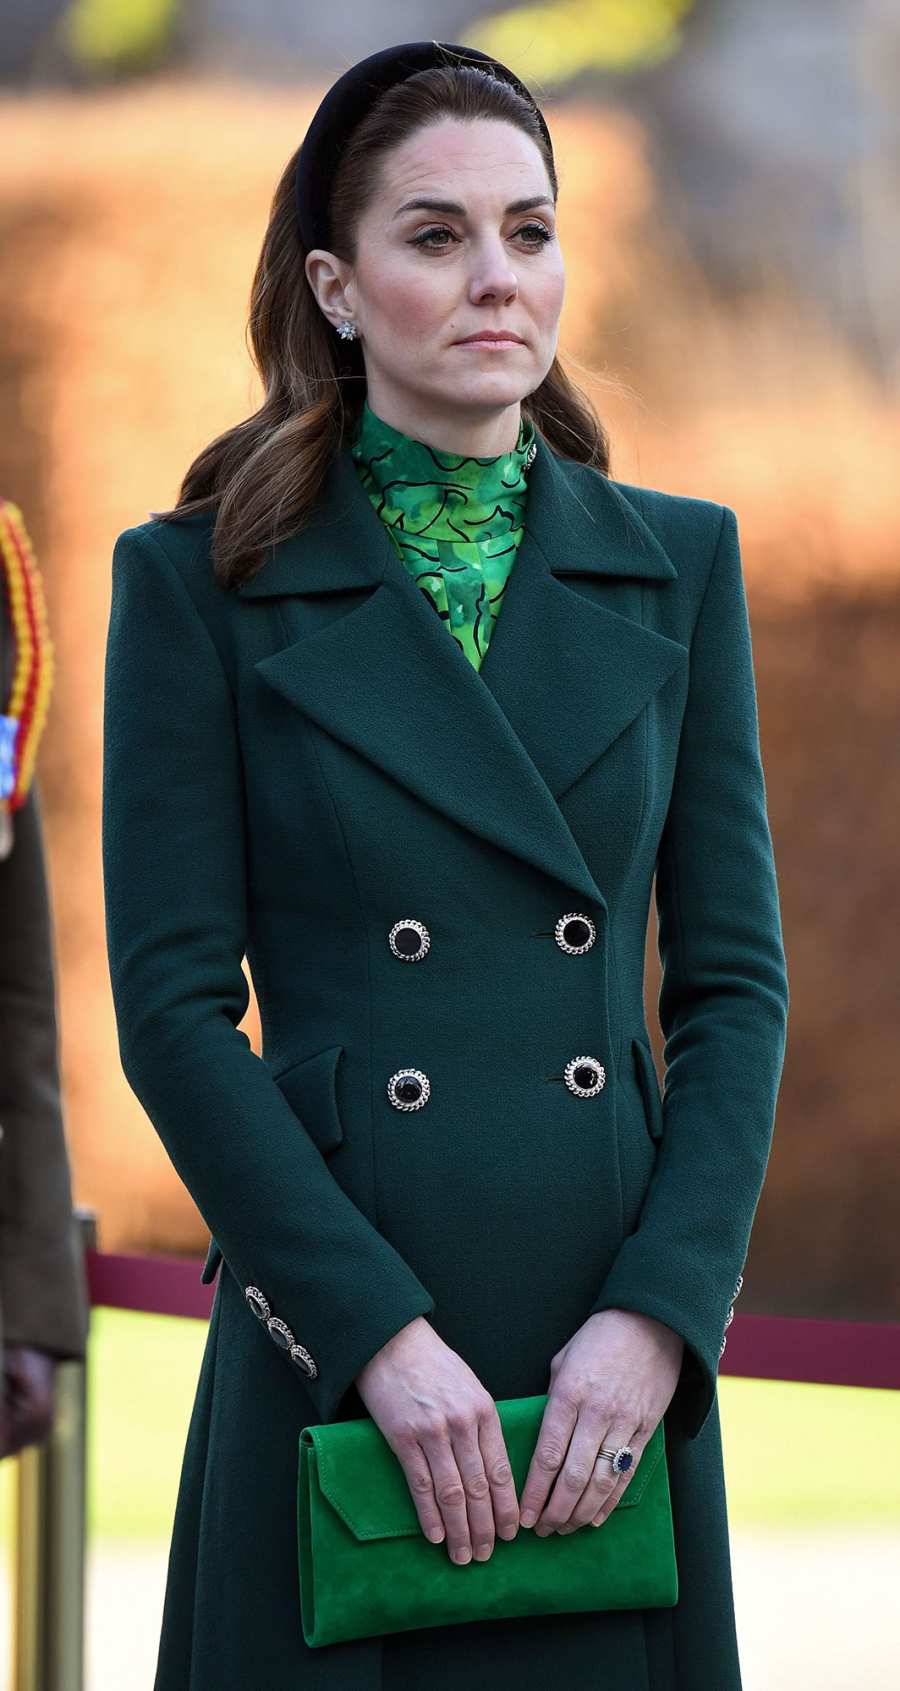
x,y
539,229
428,235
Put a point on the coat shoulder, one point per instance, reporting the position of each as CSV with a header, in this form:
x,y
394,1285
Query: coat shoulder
x,y
681,522
688,528
186,546
186,543
658,506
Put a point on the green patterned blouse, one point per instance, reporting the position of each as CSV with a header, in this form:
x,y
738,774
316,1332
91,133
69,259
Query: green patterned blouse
x,y
456,522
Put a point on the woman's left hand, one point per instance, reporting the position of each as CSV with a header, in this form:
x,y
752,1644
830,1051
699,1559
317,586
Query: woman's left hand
x,y
610,1384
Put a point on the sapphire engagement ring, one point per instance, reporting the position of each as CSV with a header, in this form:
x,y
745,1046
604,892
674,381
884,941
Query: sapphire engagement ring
x,y
622,1459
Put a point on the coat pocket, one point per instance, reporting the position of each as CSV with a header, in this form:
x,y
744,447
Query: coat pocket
x,y
310,1087
648,1082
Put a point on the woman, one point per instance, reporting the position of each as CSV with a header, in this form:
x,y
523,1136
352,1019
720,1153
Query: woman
x,y
451,1178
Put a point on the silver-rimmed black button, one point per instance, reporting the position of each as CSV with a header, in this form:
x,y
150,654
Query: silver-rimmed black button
x,y
280,1332
408,1089
259,1304
575,932
300,1355
409,940
740,1282
584,1076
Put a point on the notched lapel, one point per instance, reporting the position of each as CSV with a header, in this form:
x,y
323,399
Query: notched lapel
x,y
495,748
570,673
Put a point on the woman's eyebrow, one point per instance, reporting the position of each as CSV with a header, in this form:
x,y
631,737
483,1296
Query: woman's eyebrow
x,y
454,209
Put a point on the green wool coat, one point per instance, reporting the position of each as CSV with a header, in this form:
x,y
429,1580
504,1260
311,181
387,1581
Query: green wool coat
x,y
290,770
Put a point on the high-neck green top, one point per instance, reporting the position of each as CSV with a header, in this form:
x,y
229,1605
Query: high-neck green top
x,y
456,522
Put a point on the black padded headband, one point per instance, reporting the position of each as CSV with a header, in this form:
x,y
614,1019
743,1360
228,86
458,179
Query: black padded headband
x,y
347,102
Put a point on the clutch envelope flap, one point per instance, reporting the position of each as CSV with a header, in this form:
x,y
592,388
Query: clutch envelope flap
x,y
365,1484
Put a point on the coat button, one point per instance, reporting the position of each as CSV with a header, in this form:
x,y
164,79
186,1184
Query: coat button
x,y
722,1347
408,1089
575,932
584,1076
280,1332
409,940
300,1355
740,1282
259,1304
729,1318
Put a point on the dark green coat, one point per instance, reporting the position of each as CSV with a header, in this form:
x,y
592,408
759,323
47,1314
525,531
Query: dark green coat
x,y
290,771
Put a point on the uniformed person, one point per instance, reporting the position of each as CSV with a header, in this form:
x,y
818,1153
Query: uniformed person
x,y
43,1289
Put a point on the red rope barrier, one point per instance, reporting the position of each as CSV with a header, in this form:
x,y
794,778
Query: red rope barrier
x,y
766,1347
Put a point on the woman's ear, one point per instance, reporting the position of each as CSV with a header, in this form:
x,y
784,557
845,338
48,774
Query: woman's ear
x,y
327,276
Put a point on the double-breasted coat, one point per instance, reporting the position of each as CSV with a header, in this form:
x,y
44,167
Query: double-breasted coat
x,y
300,771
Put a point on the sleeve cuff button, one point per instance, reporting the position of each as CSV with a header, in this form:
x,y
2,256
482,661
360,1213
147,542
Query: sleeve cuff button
x,y
258,1303
300,1355
280,1332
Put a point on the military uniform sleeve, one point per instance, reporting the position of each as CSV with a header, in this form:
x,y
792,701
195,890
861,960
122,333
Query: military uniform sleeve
x,y
43,1287
723,1004
173,832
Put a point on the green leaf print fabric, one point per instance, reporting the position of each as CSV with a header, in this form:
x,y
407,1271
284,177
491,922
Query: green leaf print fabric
x,y
456,522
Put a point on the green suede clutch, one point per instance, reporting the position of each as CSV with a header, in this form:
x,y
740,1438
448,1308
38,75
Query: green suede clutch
x,y
367,1568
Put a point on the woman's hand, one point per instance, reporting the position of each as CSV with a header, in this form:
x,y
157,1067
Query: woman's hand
x,y
443,1427
610,1384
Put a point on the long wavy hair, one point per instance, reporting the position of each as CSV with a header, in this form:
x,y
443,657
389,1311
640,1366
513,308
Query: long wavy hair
x,y
262,476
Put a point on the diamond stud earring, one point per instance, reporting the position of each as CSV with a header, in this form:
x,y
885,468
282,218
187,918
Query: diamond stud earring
x,y
348,330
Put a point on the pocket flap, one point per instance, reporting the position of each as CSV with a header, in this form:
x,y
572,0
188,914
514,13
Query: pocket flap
x,y
364,1481
310,1087
213,1258
649,1084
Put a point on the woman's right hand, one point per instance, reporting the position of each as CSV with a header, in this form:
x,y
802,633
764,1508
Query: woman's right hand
x,y
443,1427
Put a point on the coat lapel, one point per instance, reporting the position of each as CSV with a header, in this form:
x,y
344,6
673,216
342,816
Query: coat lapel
x,y
495,748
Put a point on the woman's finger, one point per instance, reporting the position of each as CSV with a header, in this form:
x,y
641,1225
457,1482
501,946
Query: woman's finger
x,y
419,1479
612,1502
450,1493
600,1497
500,1475
557,1425
470,1462
577,1472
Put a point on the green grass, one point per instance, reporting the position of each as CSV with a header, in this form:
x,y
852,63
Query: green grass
x,y
789,1449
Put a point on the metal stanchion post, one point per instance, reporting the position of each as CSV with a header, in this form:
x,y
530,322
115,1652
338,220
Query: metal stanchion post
x,y
50,1526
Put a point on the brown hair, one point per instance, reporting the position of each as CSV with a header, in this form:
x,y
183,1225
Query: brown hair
x,y
263,475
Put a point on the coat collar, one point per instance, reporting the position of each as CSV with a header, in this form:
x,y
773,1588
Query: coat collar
x,y
563,676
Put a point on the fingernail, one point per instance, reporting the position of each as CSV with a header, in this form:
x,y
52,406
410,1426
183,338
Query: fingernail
x,y
527,1518
463,1555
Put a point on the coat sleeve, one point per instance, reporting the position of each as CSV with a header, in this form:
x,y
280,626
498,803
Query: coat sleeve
x,y
723,1003
173,846
43,1284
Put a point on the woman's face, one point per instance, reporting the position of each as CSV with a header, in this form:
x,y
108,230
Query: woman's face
x,y
427,276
